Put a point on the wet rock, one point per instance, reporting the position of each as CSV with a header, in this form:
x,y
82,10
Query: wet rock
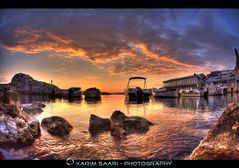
x,y
51,156
117,130
35,107
57,126
92,93
98,124
119,124
16,127
38,104
118,117
1,156
136,124
222,141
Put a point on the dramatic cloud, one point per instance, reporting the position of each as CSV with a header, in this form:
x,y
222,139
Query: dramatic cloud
x,y
126,41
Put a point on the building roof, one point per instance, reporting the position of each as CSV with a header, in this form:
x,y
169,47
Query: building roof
x,y
186,77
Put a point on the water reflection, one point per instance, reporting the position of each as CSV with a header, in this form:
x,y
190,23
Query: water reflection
x,y
93,100
180,124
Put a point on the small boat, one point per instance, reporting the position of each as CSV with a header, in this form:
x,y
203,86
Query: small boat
x,y
192,93
165,92
136,92
214,90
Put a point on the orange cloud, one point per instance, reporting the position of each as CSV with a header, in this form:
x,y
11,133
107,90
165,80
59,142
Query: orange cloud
x,y
142,47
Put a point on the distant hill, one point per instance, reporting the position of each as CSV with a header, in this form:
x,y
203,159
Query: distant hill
x,y
24,83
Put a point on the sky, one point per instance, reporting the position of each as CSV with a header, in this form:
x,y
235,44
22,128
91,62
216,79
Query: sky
x,y
104,47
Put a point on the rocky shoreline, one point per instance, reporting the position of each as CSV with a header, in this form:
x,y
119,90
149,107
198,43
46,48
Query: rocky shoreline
x,y
19,128
222,141
16,126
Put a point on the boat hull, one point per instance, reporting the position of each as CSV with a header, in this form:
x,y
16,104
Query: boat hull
x,y
165,93
193,94
215,93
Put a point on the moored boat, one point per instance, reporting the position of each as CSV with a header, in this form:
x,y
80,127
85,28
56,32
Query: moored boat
x,y
192,93
136,92
214,90
165,92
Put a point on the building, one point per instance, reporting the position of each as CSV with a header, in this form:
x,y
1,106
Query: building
x,y
195,81
226,79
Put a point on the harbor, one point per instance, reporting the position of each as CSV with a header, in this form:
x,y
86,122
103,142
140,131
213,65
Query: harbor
x,y
119,84
180,124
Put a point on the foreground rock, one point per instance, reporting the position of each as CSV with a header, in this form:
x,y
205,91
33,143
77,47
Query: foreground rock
x,y
1,156
119,124
35,107
98,124
136,124
16,127
222,141
57,126
23,83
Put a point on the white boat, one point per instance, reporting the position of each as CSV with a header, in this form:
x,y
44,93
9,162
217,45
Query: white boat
x,y
135,92
165,92
214,90
192,93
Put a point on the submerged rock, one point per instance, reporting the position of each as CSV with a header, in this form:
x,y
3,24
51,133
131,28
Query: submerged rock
x,y
136,124
98,124
119,124
118,117
35,107
222,141
57,126
117,130
16,127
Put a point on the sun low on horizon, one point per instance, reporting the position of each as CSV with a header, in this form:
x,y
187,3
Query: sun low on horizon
x,y
104,47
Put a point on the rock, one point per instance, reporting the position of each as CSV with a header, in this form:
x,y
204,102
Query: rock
x,y
39,104
35,107
26,84
117,130
92,93
29,108
118,117
98,124
57,126
222,141
16,127
136,124
119,124
1,156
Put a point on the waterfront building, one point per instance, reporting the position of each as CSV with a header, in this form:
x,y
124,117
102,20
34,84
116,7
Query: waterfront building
x,y
226,79
195,81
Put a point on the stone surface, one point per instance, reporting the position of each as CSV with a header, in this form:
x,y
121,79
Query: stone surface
x,y
56,125
118,117
1,156
35,107
136,124
117,130
26,84
92,93
222,141
16,127
98,124
119,124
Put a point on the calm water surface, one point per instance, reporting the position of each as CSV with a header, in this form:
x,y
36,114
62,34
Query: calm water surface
x,y
180,124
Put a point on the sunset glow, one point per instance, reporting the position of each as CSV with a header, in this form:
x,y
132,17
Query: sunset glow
x,y
103,48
